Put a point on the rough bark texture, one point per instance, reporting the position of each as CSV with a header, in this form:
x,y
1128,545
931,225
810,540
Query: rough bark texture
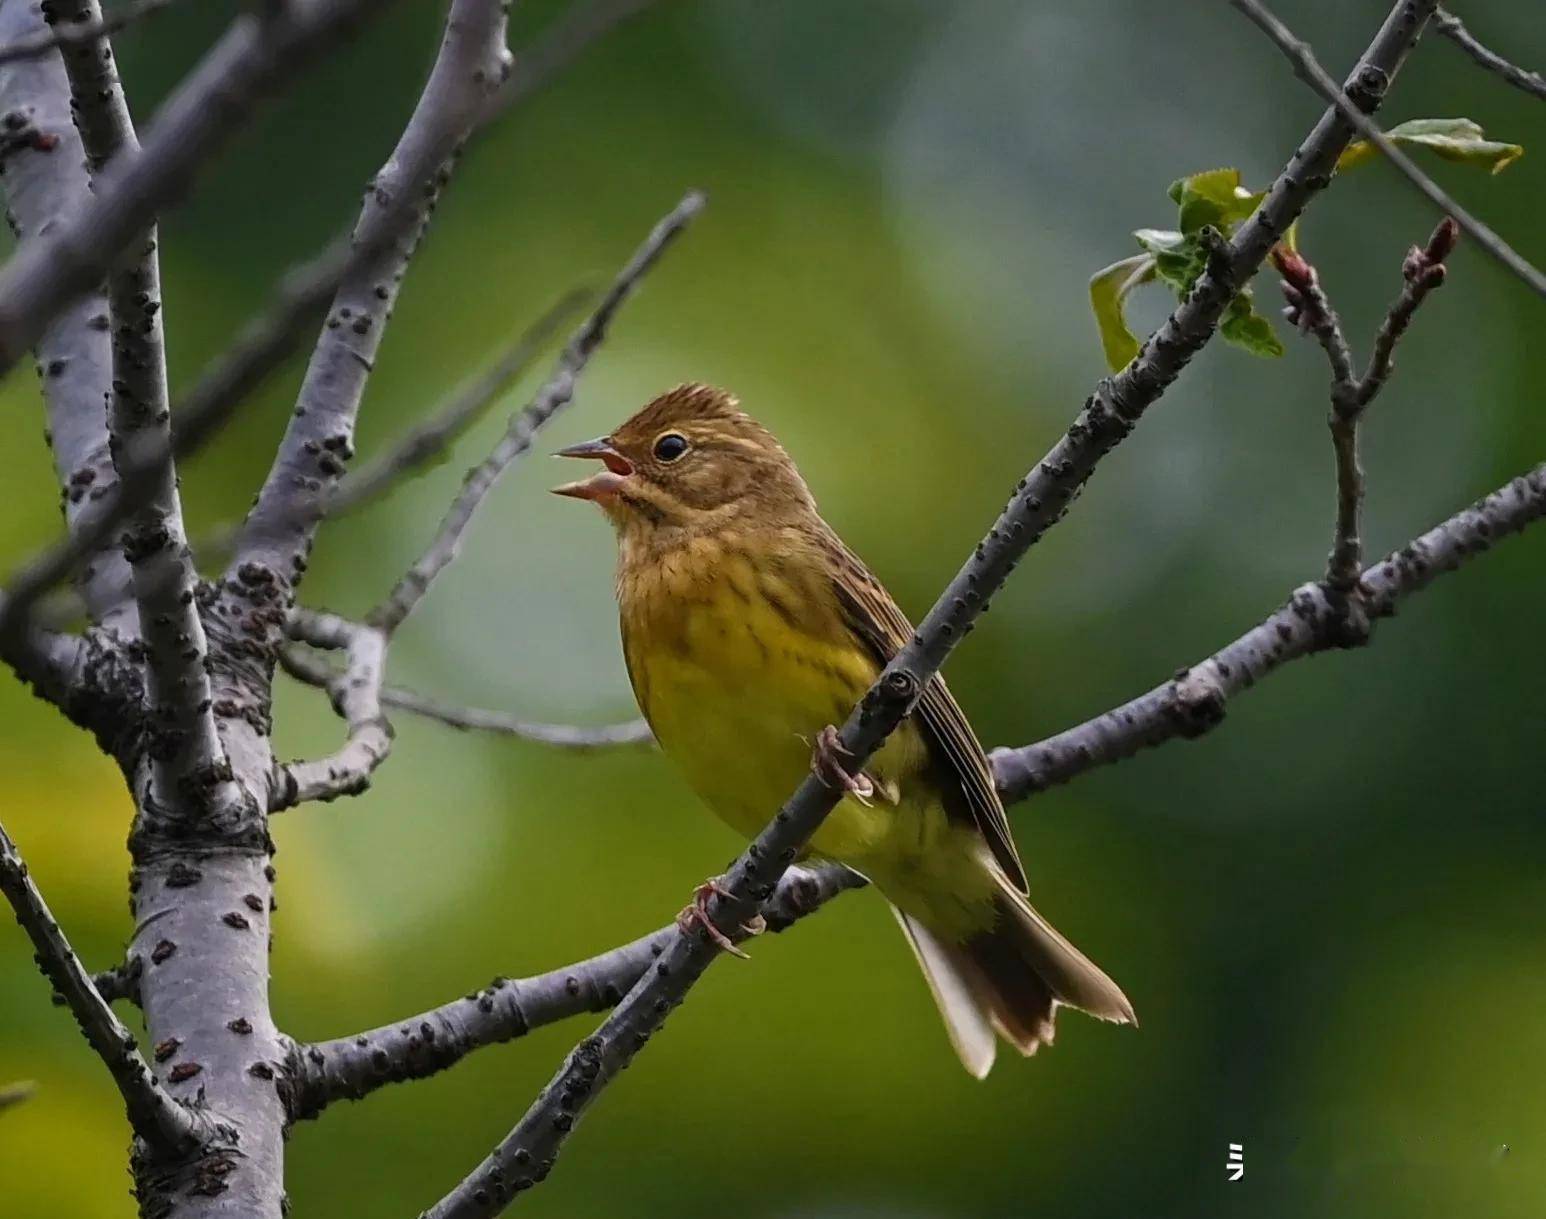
x,y
473,62
256,53
45,183
211,1106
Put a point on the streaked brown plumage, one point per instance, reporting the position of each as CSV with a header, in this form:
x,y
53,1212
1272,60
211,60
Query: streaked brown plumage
x,y
748,626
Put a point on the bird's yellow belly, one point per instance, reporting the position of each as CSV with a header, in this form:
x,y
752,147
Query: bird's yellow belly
x,y
735,698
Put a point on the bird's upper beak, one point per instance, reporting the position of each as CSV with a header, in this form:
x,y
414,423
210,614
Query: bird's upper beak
x,y
602,485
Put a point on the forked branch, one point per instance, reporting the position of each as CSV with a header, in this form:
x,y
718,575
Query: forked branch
x,y
348,771
156,1117
1311,621
319,439
1309,309
1350,104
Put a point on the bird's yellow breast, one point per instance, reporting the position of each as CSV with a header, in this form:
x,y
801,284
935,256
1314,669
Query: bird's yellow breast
x,y
739,655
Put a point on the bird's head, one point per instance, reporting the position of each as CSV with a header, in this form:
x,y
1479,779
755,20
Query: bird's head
x,y
690,461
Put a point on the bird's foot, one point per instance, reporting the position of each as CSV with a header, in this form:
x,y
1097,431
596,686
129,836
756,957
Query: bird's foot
x,y
829,760
696,913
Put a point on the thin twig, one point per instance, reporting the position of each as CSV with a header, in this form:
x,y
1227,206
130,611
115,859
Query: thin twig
x,y
1311,621
1421,272
478,719
421,1045
263,342
319,439
1039,502
314,671
464,406
1351,104
1308,308
356,695
1454,29
258,51
550,399
68,35
156,1117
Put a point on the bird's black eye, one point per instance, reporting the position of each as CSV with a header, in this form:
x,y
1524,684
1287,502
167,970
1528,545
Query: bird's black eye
x,y
670,446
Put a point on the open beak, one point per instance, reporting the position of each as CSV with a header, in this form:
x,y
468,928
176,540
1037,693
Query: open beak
x,y
602,485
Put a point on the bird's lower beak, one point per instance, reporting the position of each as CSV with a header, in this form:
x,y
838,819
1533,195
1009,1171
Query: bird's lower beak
x,y
604,484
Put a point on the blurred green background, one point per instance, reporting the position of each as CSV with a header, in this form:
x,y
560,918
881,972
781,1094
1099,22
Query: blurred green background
x,y
1328,913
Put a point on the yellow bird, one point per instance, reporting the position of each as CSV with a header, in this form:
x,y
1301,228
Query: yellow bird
x,y
748,629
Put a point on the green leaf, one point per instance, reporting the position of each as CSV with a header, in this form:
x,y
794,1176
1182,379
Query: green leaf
x,y
1452,139
1178,257
1246,328
1214,197
1109,289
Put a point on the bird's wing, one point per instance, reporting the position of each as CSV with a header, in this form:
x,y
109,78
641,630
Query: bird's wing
x,y
879,623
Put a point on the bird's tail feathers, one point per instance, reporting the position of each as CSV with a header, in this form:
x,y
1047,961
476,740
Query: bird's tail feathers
x,y
1011,979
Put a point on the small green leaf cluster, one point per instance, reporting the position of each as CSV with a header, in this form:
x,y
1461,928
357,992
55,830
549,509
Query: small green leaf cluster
x,y
1212,204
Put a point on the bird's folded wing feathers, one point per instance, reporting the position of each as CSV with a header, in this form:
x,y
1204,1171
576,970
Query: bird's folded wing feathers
x,y
879,623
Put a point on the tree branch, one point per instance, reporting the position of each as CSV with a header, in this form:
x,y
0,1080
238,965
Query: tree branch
x,y
45,182
422,1045
1454,29
553,396
70,34
525,1155
271,336
1311,621
188,760
464,406
155,1116
257,52
472,62
1310,310
1309,70
46,660
357,693
314,671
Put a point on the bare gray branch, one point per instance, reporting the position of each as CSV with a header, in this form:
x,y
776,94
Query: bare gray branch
x,y
319,440
421,1045
550,399
1351,102
256,53
1314,619
72,33
188,756
314,671
45,181
465,405
356,695
156,1117
1454,29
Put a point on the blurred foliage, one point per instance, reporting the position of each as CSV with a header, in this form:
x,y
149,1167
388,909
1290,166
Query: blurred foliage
x,y
1327,912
